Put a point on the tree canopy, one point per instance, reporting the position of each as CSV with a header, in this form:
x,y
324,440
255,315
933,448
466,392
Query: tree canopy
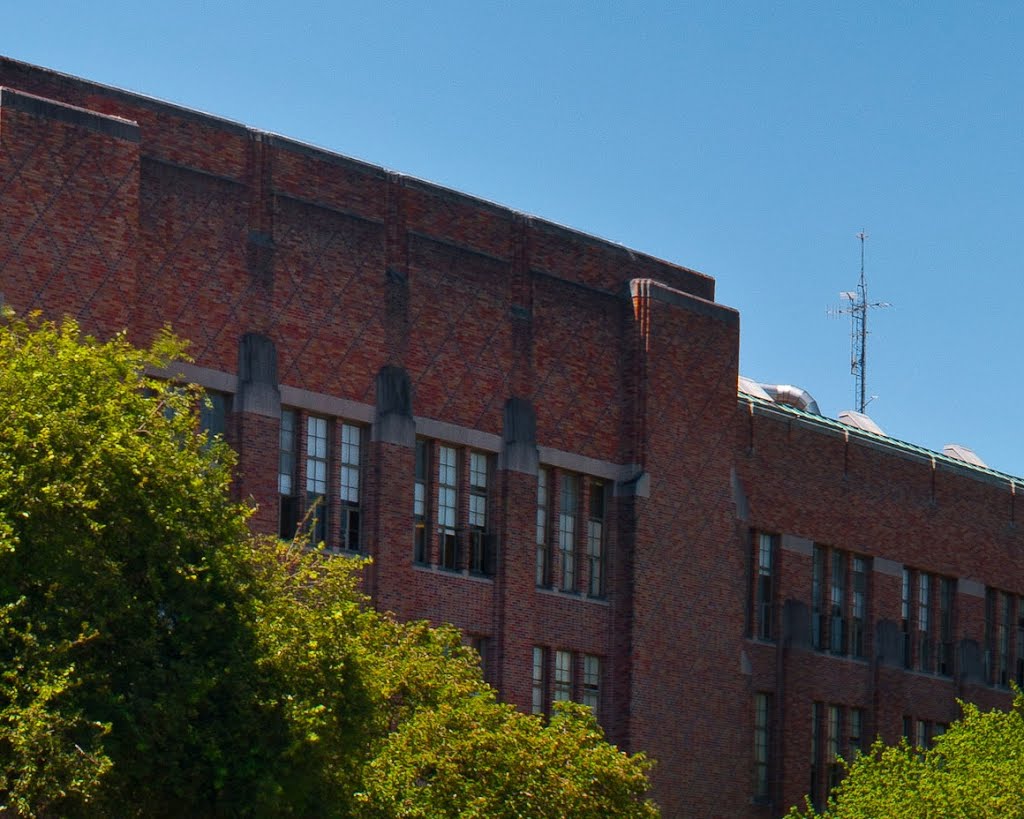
x,y
975,769
157,659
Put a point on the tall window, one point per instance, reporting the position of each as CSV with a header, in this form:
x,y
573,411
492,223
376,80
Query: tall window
x,y
814,791
763,586
479,559
905,617
213,413
924,622
819,618
856,731
349,486
839,601
858,621
762,745
563,675
419,504
835,730
1020,642
316,476
595,540
540,700
998,620
945,658
447,506
543,550
567,530
286,477
592,682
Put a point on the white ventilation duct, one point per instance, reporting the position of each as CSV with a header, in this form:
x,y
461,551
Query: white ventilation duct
x,y
962,453
792,396
858,420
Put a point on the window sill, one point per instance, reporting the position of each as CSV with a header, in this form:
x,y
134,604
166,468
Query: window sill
x,y
456,573
571,595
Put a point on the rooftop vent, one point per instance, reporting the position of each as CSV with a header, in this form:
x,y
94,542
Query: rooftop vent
x,y
962,453
859,420
751,387
792,396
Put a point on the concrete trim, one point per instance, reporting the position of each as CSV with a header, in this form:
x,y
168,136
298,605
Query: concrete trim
x,y
659,291
453,433
581,463
882,565
203,376
326,404
797,545
969,587
30,104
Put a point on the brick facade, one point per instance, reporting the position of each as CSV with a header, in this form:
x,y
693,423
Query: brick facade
x,y
405,323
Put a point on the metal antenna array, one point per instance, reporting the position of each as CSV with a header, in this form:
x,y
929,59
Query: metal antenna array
x,y
858,312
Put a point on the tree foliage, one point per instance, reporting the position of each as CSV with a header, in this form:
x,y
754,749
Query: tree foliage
x,y
156,659
975,769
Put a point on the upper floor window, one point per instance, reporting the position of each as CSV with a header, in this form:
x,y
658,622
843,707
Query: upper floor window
x,y
447,506
349,479
762,745
999,607
287,476
543,566
567,530
763,587
592,682
926,612
419,504
563,675
316,477
461,496
480,557
839,601
540,667
595,540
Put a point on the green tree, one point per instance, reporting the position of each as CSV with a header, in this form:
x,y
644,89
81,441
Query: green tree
x,y
156,659
975,769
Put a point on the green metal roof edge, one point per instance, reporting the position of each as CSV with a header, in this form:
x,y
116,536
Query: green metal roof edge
x,y
894,443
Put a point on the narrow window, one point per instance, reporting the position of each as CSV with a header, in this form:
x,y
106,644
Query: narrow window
x,y
543,578
592,682
213,413
567,531
908,729
924,622
419,504
288,519
349,486
816,710
447,505
946,592
764,593
762,745
837,600
819,629
921,734
1020,642
905,617
856,732
1004,639
480,559
858,621
482,645
540,701
316,477
563,675
835,730
595,540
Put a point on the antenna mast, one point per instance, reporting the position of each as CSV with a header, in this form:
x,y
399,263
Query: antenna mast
x,y
858,310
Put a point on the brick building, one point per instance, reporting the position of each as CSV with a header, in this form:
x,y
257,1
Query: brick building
x,y
537,436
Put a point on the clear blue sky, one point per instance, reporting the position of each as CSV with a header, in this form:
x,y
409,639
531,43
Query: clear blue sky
x,y
750,141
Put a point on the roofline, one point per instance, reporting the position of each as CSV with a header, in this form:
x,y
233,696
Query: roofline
x,y
883,442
